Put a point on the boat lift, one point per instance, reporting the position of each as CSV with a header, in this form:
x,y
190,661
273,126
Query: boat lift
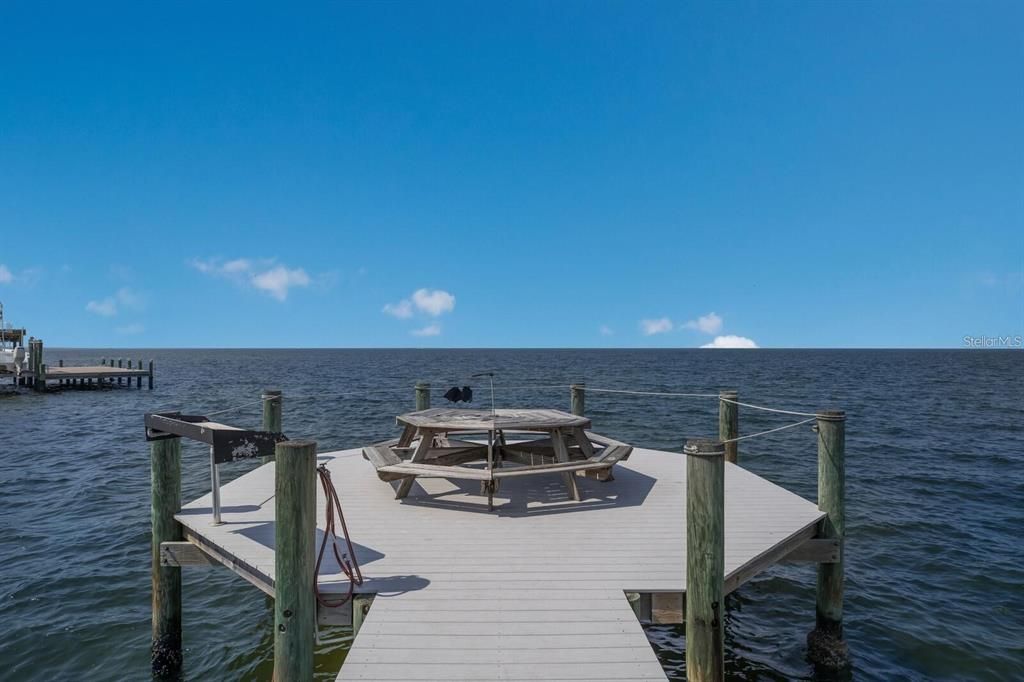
x,y
227,443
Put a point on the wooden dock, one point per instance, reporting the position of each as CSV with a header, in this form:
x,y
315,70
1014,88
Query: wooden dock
x,y
536,589
100,374
31,369
114,372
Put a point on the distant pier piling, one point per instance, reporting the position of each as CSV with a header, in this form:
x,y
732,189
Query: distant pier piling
x,y
705,560
825,644
294,560
38,367
729,423
165,466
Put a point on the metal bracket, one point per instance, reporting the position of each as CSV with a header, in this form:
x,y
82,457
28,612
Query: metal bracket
x,y
228,443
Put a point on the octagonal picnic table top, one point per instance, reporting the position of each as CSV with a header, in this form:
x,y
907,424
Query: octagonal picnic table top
x,y
456,419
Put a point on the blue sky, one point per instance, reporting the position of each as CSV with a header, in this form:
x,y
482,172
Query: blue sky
x,y
525,174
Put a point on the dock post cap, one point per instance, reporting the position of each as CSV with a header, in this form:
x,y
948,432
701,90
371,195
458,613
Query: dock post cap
x,y
704,447
578,384
730,393
296,444
831,415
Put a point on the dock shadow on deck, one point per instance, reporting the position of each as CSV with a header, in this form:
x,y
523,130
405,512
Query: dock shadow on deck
x,y
537,496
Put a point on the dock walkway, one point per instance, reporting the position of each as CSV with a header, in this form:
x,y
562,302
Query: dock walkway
x,y
533,590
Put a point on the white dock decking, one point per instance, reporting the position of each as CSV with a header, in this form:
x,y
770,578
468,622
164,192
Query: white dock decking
x,y
531,591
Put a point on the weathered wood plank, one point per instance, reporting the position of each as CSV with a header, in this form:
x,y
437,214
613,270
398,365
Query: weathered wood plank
x,y
815,550
184,553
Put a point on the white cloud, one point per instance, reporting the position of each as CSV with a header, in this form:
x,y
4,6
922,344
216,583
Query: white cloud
x,y
430,302
658,326
237,265
106,307
263,275
731,341
605,330
434,302
205,266
26,277
130,298
123,298
430,330
278,280
402,310
709,324
134,328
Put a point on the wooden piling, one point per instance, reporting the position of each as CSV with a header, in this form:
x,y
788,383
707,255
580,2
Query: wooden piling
x,y
294,537
360,608
577,399
729,423
422,396
272,403
138,379
705,559
165,467
151,375
38,368
825,643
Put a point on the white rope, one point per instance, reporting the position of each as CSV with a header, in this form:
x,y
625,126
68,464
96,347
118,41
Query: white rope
x,y
523,388
765,433
667,394
769,409
236,407
671,395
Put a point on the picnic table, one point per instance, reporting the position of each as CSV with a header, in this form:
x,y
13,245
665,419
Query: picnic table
x,y
489,445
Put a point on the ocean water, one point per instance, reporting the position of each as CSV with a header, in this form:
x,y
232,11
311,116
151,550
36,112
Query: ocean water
x,y
935,497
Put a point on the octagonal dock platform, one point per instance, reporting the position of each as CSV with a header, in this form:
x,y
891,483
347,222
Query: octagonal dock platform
x,y
535,589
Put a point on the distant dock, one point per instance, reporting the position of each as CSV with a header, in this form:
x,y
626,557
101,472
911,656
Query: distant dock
x,y
109,373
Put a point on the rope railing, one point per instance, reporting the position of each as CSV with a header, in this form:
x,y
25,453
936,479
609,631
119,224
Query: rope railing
x,y
769,409
765,433
401,390
650,393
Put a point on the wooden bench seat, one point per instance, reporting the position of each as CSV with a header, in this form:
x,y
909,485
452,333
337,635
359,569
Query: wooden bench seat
x,y
391,467
436,471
